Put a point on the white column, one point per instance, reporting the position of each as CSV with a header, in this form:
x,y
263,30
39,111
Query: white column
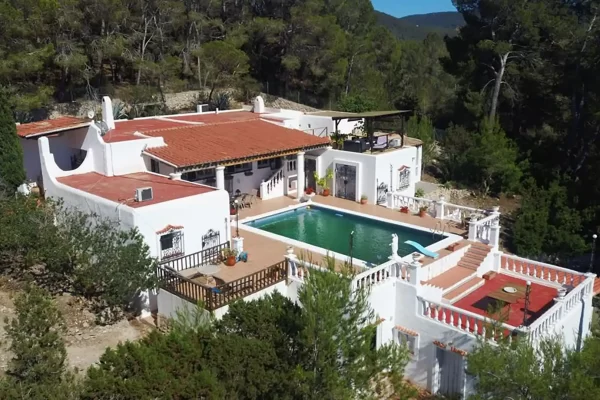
x,y
300,168
495,235
389,200
473,229
414,268
220,171
439,207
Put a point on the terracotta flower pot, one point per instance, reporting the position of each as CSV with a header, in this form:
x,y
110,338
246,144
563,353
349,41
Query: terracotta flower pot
x,y
232,211
422,214
230,261
404,210
363,201
325,192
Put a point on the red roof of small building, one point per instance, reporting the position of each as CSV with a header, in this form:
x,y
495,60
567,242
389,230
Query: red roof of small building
x,y
50,126
121,189
192,145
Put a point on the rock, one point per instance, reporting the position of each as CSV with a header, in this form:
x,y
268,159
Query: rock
x,y
86,325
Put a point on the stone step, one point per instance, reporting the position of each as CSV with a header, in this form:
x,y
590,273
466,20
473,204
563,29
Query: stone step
x,y
463,290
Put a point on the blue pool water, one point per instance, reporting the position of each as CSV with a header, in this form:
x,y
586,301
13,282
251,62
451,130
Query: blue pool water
x,y
330,230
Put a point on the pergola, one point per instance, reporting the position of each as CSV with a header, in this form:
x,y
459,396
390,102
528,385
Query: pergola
x,y
385,121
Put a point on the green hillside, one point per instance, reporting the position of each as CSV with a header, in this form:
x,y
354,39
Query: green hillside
x,y
416,27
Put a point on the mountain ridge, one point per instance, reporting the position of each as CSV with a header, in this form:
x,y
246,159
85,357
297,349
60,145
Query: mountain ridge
x,y
418,26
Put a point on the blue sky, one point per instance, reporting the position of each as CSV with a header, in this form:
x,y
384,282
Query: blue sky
x,y
401,8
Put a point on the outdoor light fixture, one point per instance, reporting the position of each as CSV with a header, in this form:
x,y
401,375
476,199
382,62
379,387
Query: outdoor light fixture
x,y
527,294
351,245
237,218
594,237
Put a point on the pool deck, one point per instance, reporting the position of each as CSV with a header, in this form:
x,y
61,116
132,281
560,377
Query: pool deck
x,y
264,252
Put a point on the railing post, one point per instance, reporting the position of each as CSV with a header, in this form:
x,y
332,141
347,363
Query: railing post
x,y
413,271
389,200
439,207
473,229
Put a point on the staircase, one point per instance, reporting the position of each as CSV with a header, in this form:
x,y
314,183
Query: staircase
x,y
274,186
462,279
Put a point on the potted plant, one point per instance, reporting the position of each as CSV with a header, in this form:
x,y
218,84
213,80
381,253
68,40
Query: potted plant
x,y
232,209
229,255
404,209
323,182
363,199
423,211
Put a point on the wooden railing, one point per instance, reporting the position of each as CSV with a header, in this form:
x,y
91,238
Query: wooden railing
x,y
221,295
231,291
212,255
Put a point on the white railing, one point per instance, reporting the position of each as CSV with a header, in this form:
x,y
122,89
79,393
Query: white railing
x,y
381,273
273,187
458,213
291,165
414,204
546,272
483,228
558,311
299,270
466,321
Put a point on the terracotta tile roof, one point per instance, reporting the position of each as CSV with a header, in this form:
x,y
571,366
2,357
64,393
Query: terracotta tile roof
x,y
407,331
229,141
121,189
50,126
169,228
596,286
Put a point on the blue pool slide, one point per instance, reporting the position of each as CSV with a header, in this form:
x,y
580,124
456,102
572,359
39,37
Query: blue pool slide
x,y
422,249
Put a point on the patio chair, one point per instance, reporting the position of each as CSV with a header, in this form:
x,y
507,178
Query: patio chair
x,y
381,143
244,200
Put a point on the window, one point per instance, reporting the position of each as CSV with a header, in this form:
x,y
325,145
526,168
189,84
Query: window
x,y
403,178
237,168
154,166
198,175
171,244
408,339
263,163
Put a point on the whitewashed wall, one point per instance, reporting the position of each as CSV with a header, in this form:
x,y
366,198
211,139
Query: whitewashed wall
x,y
392,161
197,214
62,148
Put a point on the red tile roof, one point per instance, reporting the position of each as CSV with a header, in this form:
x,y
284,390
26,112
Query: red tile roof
x,y
596,286
192,145
169,228
50,126
121,189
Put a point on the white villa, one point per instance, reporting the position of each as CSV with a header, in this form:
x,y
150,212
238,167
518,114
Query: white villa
x,y
176,177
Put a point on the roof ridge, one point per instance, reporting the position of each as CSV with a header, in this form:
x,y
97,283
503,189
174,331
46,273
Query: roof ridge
x,y
185,125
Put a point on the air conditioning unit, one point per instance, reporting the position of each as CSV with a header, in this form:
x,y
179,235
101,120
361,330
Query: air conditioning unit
x,y
143,194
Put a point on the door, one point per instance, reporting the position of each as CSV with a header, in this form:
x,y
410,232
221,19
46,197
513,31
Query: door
x,y
451,374
345,181
382,190
310,166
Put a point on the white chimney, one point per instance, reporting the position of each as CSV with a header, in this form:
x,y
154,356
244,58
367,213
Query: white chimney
x,y
107,112
175,176
259,105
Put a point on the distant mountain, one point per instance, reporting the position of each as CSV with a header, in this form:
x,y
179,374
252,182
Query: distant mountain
x,y
416,27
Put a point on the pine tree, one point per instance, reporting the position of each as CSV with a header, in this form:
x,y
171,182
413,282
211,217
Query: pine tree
x,y
12,173
36,341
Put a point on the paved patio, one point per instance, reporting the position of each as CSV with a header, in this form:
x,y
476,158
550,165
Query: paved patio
x,y
264,252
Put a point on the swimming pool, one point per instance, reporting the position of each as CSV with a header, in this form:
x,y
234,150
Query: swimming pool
x,y
330,229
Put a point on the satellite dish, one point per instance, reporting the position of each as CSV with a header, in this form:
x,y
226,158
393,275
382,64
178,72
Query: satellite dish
x,y
91,114
103,127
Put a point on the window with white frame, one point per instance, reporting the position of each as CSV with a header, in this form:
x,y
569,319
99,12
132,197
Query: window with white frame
x,y
408,339
403,178
171,244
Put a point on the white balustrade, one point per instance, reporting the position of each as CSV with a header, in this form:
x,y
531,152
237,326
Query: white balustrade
x,y
558,311
466,321
291,165
458,213
414,204
379,274
546,272
274,186
481,230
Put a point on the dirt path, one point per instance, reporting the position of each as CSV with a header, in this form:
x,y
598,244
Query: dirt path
x,y
85,340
